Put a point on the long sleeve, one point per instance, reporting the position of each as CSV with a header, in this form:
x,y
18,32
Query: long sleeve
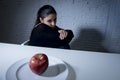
x,y
45,36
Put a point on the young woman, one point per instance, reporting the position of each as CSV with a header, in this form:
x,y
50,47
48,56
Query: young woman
x,y
46,33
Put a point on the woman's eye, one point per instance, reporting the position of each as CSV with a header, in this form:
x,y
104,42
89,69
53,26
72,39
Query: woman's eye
x,y
49,21
55,19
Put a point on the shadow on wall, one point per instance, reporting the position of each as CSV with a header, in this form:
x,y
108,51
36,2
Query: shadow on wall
x,y
89,40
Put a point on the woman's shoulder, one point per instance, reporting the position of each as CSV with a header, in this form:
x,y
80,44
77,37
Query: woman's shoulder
x,y
40,26
44,28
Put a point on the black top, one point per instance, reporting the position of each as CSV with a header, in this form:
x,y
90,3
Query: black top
x,y
45,36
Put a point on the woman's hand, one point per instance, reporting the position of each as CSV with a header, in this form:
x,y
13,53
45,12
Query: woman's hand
x,y
63,34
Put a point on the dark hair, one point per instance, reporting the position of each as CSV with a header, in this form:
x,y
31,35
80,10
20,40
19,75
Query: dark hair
x,y
44,11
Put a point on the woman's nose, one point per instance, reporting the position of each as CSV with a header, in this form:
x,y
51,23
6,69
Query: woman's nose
x,y
53,23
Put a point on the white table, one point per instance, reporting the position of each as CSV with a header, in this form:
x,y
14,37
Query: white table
x,y
83,65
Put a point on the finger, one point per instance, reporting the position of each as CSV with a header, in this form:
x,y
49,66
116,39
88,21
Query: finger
x,y
63,34
59,31
60,36
66,33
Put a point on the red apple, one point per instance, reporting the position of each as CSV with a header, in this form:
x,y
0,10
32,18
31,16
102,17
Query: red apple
x,y
39,63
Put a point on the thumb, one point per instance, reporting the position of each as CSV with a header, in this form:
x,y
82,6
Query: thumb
x,y
59,31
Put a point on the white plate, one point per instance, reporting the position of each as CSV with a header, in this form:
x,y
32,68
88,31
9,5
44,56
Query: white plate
x,y
20,70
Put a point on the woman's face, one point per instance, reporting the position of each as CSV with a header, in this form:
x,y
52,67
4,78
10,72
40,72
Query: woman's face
x,y
49,20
